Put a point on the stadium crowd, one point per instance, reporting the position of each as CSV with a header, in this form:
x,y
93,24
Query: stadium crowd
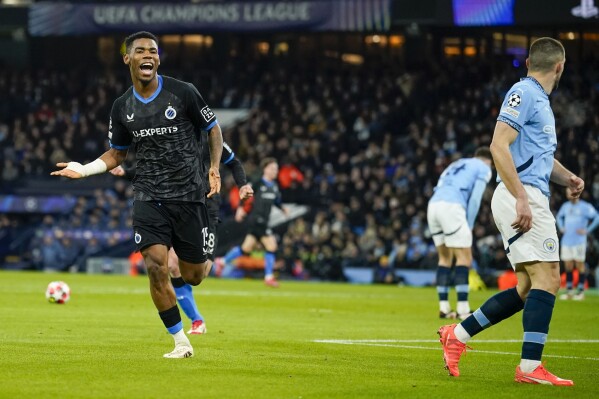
x,y
362,149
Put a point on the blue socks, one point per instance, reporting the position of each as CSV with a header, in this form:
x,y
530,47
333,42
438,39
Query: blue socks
x,y
269,260
538,310
497,308
443,282
537,316
582,276
569,280
269,264
233,254
185,298
461,282
172,319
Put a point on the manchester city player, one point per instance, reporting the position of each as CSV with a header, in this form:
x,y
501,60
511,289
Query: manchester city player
x,y
523,145
573,221
451,214
162,117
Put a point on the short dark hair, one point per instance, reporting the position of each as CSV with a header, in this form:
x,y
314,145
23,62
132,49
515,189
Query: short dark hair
x,y
483,152
138,35
544,54
267,161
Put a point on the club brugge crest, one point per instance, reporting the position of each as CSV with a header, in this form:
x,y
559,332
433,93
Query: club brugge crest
x,y
137,237
170,112
549,245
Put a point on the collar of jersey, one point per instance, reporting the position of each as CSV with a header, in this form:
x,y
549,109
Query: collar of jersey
x,y
268,183
537,83
153,96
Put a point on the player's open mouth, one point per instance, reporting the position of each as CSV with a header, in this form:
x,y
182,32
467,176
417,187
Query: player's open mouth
x,y
146,69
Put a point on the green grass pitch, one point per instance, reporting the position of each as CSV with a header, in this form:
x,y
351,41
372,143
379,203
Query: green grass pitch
x,y
303,340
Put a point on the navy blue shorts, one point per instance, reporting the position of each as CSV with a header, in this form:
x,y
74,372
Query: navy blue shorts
x,y
185,226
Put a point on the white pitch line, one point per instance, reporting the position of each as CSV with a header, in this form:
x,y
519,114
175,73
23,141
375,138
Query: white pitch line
x,y
387,345
424,341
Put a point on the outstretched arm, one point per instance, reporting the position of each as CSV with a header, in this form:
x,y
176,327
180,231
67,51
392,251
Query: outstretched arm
x,y
74,170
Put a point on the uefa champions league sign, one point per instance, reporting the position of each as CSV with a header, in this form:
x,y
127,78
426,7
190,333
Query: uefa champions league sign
x,y
47,18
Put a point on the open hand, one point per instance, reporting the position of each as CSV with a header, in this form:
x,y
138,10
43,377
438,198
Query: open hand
x,y
69,170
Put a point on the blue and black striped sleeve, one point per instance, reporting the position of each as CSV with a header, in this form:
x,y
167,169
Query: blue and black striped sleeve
x,y
198,111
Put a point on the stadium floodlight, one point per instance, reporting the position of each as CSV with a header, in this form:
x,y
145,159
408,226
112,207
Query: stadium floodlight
x,y
15,2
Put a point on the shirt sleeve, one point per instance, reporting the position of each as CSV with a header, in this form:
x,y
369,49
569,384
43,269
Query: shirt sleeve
x,y
559,219
474,201
279,200
198,111
227,155
517,107
118,136
485,174
594,219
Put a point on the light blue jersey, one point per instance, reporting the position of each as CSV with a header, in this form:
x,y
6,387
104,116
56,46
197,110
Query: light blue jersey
x,y
526,108
572,217
463,182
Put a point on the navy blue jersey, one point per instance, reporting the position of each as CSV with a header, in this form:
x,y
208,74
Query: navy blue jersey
x,y
266,194
164,129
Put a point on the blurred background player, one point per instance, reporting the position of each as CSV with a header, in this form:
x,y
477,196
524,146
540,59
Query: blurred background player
x,y
451,214
523,147
266,194
161,116
184,291
573,221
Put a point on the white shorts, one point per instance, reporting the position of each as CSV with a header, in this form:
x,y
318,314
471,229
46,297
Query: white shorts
x,y
574,252
540,242
448,225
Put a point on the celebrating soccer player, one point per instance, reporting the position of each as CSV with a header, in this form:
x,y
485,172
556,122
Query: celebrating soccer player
x,y
162,116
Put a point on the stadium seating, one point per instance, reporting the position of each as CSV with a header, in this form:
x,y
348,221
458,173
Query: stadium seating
x,y
369,148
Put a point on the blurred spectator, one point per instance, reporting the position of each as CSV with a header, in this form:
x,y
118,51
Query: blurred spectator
x,y
363,151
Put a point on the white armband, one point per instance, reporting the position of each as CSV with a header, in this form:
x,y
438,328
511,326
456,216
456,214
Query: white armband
x,y
93,168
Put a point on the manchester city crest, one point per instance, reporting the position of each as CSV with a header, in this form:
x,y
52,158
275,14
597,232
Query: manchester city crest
x,y
549,245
